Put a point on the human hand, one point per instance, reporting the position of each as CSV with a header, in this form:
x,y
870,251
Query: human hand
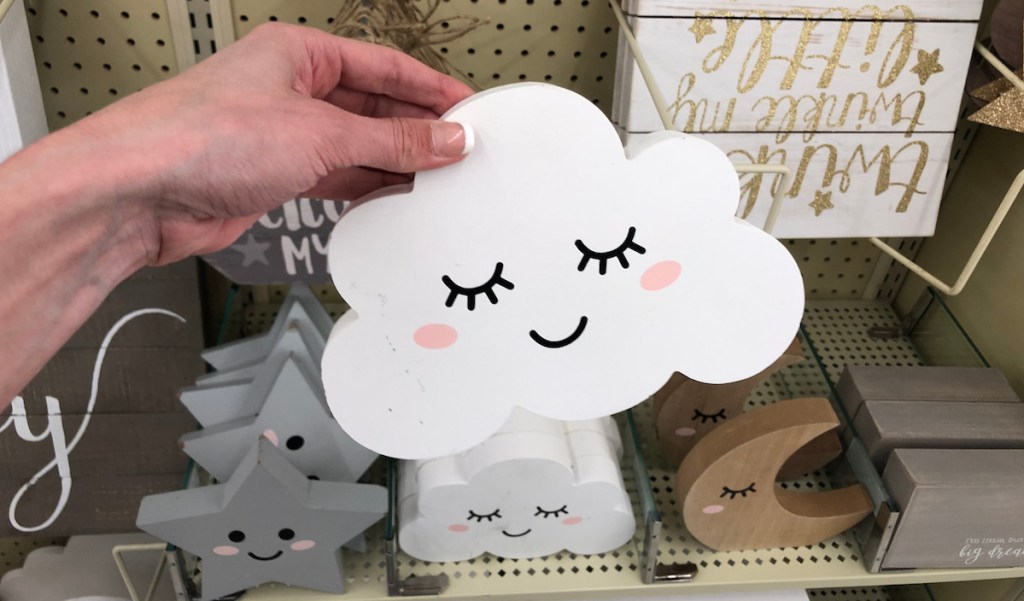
x,y
285,111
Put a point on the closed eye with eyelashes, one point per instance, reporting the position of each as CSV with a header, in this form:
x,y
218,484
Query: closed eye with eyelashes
x,y
706,417
479,517
471,292
619,253
737,493
544,513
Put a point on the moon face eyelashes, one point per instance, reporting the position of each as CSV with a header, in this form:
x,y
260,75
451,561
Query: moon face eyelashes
x,y
737,493
618,252
705,418
487,289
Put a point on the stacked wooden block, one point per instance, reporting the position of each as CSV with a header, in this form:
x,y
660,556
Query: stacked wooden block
x,y
950,444
859,100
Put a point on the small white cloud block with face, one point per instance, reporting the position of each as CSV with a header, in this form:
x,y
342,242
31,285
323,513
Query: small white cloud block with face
x,y
536,487
551,270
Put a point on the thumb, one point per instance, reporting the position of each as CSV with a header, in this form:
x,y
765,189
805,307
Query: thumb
x,y
399,145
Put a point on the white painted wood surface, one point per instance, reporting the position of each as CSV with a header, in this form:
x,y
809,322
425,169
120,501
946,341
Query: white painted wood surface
x,y
21,103
533,262
931,10
796,76
860,194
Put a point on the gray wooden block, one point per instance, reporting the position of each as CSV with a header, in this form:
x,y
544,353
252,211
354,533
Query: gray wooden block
x,y
888,425
110,444
874,383
96,505
960,508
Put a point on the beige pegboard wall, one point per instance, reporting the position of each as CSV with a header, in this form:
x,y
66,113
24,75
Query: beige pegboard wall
x,y
93,52
570,43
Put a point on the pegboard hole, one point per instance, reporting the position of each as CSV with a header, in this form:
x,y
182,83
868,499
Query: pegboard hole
x,y
302,20
54,91
522,77
161,43
101,41
497,52
547,78
580,29
131,41
165,68
471,51
106,67
551,52
39,39
136,67
243,18
84,91
155,16
527,27
603,55
525,53
112,92
124,14
77,66
554,28
272,18
496,76
47,65
574,78
499,26
71,40
577,54
94,14
61,114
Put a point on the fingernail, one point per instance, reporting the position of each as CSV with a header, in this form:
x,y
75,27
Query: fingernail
x,y
451,139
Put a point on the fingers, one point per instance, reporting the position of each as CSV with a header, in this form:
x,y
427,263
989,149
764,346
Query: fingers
x,y
378,70
398,145
376,105
354,183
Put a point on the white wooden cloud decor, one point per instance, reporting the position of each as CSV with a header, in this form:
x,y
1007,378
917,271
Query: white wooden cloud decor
x,y
536,487
549,270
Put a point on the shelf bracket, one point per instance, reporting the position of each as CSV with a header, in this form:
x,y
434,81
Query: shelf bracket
x,y
118,553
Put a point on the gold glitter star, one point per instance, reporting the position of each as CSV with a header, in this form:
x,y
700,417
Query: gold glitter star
x,y
927,65
822,202
701,27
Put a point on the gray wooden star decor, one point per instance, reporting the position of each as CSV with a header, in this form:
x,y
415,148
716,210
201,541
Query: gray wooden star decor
x,y
267,523
241,391
294,416
300,309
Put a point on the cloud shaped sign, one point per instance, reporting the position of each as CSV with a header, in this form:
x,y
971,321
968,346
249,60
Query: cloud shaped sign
x,y
551,270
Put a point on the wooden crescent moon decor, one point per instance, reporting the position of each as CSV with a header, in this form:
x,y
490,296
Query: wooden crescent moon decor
x,y
686,409
726,484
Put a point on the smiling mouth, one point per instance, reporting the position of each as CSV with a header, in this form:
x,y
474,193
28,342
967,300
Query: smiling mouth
x,y
528,530
274,556
563,342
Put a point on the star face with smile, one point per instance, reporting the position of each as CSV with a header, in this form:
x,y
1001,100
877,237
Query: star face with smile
x,y
267,514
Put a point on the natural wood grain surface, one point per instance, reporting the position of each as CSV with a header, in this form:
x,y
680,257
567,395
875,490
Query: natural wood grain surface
x,y
726,483
687,410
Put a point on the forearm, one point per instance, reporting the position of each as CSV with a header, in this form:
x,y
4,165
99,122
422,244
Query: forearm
x,y
73,229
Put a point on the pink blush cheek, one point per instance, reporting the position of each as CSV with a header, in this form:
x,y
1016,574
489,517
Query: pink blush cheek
x,y
660,275
303,545
271,436
685,432
572,521
435,336
458,528
226,550
713,509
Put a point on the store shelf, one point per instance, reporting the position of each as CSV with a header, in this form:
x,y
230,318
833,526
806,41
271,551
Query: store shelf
x,y
839,331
